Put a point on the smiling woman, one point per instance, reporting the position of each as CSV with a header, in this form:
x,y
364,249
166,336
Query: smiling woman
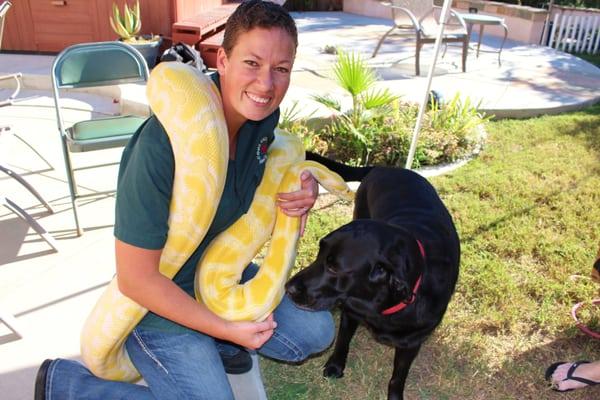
x,y
255,75
180,347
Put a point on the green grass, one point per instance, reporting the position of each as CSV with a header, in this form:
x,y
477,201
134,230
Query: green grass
x,y
527,210
591,58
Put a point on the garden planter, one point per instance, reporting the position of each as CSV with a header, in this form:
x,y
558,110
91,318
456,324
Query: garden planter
x,y
149,50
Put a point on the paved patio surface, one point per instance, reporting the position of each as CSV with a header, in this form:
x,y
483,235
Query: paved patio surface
x,y
50,293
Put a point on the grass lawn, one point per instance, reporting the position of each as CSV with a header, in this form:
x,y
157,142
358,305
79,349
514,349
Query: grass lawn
x,y
527,213
591,58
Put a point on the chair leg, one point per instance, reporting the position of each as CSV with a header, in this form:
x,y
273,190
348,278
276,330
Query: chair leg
x,y
71,182
503,41
31,189
418,58
11,322
381,41
32,222
465,52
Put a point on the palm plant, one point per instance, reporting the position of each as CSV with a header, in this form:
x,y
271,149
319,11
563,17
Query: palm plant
x,y
355,77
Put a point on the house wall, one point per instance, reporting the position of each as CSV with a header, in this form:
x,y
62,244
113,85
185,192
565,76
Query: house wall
x,y
187,8
369,8
52,25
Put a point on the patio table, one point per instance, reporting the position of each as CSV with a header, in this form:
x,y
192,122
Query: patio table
x,y
482,20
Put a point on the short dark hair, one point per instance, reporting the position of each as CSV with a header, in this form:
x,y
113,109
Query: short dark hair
x,y
252,14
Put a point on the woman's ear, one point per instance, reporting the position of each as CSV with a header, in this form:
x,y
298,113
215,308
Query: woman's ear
x,y
222,61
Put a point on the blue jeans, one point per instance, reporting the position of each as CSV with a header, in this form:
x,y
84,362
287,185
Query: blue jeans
x,y
188,366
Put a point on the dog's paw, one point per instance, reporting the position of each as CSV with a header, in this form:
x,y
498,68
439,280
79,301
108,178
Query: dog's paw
x,y
331,370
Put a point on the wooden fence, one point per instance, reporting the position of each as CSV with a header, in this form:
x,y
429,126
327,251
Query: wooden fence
x,y
575,32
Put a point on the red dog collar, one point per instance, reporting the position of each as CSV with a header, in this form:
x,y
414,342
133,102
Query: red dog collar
x,y
402,305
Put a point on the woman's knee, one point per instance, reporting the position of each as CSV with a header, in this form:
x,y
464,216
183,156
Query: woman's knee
x,y
295,345
177,366
320,332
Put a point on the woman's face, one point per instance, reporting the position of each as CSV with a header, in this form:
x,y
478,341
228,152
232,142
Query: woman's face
x,y
256,74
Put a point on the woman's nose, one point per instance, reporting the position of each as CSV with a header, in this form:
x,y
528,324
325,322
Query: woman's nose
x,y
265,79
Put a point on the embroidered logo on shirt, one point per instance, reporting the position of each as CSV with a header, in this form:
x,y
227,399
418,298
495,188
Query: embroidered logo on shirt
x,y
261,150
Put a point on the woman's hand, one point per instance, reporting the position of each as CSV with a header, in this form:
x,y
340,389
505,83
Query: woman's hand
x,y
139,278
298,203
251,335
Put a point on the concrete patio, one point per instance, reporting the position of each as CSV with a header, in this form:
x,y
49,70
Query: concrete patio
x,y
50,293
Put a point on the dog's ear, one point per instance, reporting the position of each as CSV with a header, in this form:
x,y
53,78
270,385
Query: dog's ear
x,y
398,285
404,264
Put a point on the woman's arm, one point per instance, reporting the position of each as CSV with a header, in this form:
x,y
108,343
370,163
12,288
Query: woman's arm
x,y
139,279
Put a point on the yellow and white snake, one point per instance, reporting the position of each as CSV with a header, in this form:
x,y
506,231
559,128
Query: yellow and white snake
x,y
197,131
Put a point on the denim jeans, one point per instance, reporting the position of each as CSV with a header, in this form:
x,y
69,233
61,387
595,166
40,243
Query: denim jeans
x,y
188,366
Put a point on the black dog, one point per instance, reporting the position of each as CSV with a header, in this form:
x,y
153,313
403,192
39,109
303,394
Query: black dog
x,y
393,268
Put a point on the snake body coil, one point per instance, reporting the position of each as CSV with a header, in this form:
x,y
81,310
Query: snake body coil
x,y
197,131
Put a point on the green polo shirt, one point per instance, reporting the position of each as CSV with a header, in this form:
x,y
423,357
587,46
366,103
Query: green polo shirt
x,y
145,185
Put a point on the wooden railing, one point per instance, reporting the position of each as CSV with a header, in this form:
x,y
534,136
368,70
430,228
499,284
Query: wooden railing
x,y
575,30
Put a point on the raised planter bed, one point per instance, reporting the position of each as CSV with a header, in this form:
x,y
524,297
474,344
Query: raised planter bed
x,y
525,24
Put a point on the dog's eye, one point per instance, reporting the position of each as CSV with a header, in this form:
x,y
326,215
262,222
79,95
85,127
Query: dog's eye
x,y
330,264
378,272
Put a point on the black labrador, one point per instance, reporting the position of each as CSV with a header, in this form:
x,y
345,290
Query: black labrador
x,y
393,268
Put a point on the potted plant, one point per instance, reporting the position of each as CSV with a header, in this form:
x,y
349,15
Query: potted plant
x,y
128,25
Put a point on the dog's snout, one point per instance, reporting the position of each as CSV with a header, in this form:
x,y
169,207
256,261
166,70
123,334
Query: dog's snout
x,y
295,288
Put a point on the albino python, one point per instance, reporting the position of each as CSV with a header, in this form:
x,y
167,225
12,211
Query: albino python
x,y
198,134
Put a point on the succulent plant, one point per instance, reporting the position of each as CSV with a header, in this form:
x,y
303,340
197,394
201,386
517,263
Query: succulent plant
x,y
128,24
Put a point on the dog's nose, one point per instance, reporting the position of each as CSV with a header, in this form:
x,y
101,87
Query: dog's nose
x,y
295,288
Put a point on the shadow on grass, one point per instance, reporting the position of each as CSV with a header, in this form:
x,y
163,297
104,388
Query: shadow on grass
x,y
442,371
475,234
532,364
588,129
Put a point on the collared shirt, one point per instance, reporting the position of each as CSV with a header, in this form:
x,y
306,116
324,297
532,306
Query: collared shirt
x,y
145,186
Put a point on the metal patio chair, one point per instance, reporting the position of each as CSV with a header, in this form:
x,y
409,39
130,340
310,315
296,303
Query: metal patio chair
x,y
91,65
420,18
8,319
4,7
6,130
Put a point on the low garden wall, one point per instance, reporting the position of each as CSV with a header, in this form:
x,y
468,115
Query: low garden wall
x,y
525,24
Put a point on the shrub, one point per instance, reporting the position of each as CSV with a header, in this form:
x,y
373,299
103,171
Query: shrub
x,y
352,74
378,129
448,133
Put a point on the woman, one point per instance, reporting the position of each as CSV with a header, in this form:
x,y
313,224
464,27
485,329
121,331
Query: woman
x,y
180,347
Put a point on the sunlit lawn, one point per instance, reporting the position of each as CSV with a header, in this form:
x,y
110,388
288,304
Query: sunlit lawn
x,y
528,216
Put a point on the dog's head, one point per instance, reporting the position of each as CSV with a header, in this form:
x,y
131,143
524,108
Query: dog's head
x,y
366,265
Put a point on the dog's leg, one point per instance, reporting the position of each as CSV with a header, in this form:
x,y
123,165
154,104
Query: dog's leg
x,y
334,367
403,359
